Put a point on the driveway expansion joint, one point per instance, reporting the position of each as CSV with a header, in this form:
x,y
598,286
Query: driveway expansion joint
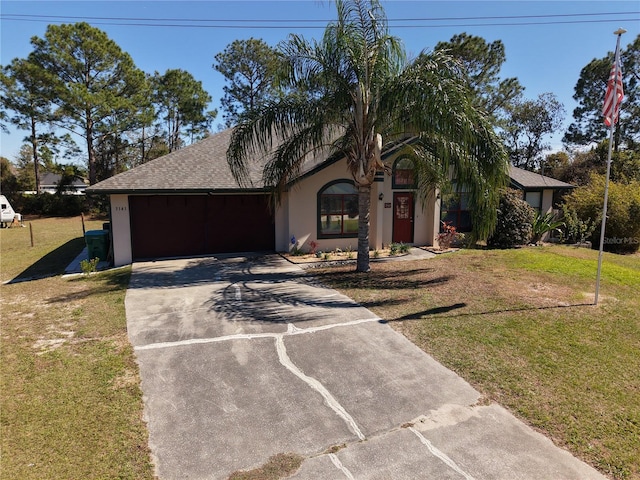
x,y
291,330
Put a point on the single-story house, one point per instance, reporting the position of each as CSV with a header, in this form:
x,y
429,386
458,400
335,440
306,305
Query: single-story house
x,y
49,183
187,203
538,191
541,192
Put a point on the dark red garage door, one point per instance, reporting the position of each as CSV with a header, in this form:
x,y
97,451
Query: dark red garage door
x,y
184,225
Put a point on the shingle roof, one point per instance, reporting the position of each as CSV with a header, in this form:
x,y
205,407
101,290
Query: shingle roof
x,y
49,179
524,179
200,167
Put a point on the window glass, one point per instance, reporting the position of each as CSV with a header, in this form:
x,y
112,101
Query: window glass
x,y
403,173
331,203
350,225
338,210
331,224
340,188
534,199
464,201
455,211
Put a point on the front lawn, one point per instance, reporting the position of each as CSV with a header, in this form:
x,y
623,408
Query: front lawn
x,y
520,326
70,400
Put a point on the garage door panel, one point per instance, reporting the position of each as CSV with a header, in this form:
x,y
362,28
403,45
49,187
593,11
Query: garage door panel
x,y
240,223
165,226
184,225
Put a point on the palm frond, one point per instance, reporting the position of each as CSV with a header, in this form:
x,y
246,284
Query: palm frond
x,y
431,100
280,136
353,84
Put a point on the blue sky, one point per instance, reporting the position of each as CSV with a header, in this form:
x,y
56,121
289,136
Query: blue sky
x,y
547,42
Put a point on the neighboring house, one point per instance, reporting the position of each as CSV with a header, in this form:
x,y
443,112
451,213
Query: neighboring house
x,y
187,203
538,191
49,184
542,193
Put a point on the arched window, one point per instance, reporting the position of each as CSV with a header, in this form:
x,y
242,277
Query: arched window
x,y
403,174
338,210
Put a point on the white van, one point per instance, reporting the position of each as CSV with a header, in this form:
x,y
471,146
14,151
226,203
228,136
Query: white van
x,y
7,214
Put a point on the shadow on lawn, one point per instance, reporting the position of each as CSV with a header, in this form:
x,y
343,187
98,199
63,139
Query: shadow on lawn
x,y
53,263
438,310
424,313
381,280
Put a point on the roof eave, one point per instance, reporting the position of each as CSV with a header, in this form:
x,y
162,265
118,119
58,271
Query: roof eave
x,y
181,191
520,186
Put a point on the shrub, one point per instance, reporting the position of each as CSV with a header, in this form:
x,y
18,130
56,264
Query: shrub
x,y
544,223
448,235
577,230
50,205
515,217
89,266
622,233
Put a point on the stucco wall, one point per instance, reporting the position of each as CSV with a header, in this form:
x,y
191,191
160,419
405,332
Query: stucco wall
x,y
302,215
298,214
121,228
427,222
281,219
547,201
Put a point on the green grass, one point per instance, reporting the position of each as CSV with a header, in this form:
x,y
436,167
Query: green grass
x,y
56,242
520,325
71,405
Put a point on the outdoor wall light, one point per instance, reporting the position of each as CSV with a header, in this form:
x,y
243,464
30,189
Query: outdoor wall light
x,y
381,196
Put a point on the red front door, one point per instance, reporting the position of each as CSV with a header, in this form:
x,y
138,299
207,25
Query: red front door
x,y
403,217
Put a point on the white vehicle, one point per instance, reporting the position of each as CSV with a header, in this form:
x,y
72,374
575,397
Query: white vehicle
x,y
7,214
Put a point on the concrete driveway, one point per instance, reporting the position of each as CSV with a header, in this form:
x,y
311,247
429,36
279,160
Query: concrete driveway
x,y
242,358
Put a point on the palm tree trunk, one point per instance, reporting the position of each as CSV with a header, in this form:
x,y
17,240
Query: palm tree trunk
x,y
364,209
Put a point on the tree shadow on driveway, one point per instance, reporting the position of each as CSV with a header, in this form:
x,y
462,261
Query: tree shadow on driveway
x,y
265,289
286,299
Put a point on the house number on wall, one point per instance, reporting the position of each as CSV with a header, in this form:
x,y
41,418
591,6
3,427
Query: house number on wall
x,y
121,209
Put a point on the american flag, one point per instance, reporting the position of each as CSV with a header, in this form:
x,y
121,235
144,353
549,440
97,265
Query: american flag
x,y
611,107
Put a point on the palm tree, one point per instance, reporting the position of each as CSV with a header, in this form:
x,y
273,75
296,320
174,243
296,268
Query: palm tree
x,y
355,87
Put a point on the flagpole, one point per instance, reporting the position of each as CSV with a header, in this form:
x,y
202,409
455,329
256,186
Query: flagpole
x,y
619,33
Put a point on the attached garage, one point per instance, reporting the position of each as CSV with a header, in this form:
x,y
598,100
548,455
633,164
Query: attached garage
x,y
188,203
185,225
